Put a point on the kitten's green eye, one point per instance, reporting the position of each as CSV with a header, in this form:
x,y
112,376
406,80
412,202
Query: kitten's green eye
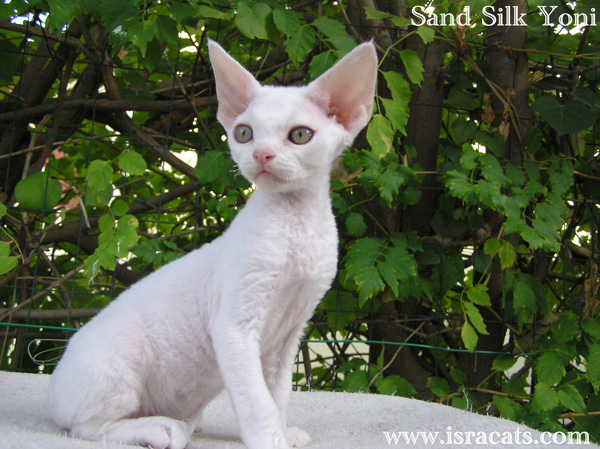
x,y
243,134
300,135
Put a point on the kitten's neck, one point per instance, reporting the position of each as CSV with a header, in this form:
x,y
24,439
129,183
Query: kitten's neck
x,y
313,196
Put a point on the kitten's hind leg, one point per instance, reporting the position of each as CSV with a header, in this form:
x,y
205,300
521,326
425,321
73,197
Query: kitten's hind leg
x,y
158,432
194,424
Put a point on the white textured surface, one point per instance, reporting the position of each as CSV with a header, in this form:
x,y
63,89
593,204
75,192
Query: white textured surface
x,y
334,420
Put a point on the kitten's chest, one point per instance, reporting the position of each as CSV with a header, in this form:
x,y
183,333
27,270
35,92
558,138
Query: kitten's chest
x,y
310,247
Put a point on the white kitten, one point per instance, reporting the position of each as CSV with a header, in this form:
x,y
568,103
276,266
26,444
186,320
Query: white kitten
x,y
231,313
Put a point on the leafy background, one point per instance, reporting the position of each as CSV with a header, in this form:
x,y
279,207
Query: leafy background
x,y
467,210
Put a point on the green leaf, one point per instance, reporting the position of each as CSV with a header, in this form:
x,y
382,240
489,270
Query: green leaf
x,y
208,12
126,234
38,192
61,13
3,210
550,214
362,252
469,336
566,328
492,171
550,368
532,140
398,86
544,398
99,197
300,44
385,386
492,140
508,408
403,387
390,276
449,273
569,396
336,34
463,129
119,15
113,243
412,65
167,30
369,283
287,21
426,33
397,114
461,99
7,262
524,301
210,166
99,175
568,118
469,158
478,295
504,250
515,174
591,326
11,60
380,135
487,192
504,363
355,224
402,262
142,33
182,12
475,317
507,255
132,163
356,382
375,14
320,63
593,367
439,386
119,207
459,376
560,175
251,21
492,246
460,185
388,182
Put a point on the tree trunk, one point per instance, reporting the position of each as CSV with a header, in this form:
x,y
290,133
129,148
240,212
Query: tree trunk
x,y
508,70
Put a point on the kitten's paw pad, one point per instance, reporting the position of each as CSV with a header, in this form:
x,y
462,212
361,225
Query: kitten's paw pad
x,y
296,437
168,434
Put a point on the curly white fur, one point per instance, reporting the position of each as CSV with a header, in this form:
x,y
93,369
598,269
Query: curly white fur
x,y
230,314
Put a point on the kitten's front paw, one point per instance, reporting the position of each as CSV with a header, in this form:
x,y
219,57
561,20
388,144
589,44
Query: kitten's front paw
x,y
296,437
166,433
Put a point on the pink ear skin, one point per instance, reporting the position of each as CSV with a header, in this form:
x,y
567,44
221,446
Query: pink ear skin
x,y
236,87
347,89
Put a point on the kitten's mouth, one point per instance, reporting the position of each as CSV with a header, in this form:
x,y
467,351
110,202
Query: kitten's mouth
x,y
267,174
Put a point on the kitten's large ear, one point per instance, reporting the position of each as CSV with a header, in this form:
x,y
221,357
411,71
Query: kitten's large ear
x,y
347,89
236,87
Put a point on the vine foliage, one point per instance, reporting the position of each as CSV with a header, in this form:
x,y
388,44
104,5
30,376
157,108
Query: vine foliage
x,y
468,209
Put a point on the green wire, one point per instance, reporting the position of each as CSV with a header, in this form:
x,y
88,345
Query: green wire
x,y
392,343
33,326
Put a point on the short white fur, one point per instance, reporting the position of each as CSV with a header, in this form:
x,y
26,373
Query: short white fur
x,y
230,314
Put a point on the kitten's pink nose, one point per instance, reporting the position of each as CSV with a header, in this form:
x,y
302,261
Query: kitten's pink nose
x,y
263,156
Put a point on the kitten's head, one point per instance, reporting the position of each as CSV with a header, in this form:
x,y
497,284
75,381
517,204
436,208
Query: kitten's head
x,y
285,138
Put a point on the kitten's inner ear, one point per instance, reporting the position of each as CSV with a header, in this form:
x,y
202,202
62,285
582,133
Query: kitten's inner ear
x,y
236,87
347,89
